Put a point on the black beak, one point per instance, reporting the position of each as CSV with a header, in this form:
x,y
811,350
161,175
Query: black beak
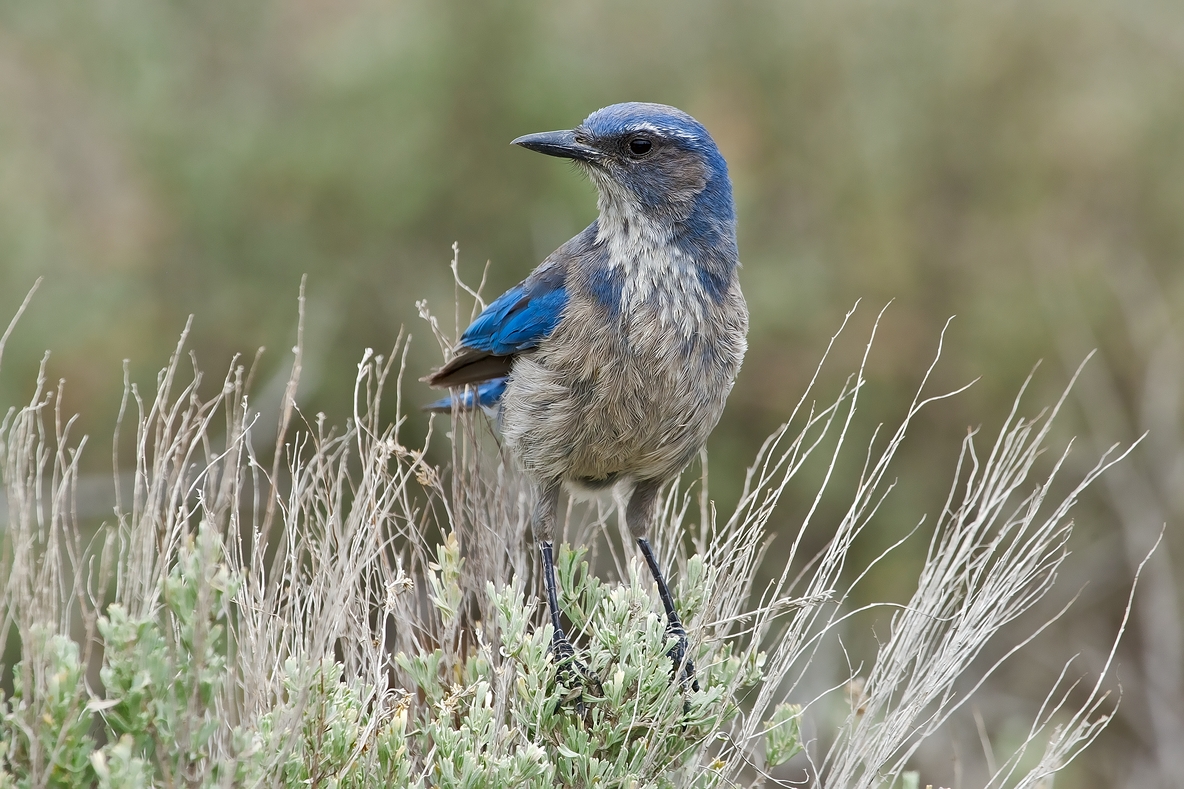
x,y
558,143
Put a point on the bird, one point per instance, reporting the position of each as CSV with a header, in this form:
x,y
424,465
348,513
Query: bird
x,y
610,364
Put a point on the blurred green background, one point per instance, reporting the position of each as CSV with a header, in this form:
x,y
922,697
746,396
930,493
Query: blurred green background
x,y
1017,164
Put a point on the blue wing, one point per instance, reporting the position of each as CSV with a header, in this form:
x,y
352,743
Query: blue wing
x,y
515,322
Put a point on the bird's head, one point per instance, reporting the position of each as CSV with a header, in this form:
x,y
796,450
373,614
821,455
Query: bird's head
x,y
646,157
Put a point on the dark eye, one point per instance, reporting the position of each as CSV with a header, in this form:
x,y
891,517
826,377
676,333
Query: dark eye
x,y
640,146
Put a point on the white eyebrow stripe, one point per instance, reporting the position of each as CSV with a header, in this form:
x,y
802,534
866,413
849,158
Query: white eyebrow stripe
x,y
663,130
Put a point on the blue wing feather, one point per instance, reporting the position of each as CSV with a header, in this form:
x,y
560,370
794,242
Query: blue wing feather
x,y
518,319
483,395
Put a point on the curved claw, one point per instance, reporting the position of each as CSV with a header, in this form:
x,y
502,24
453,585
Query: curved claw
x,y
684,667
572,671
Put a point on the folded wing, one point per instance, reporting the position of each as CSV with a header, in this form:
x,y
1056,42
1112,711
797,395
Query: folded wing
x,y
516,322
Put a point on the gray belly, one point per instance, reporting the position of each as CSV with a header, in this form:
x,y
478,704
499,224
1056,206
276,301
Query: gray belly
x,y
594,407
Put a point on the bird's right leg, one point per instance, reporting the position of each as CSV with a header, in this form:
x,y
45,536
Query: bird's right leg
x,y
543,525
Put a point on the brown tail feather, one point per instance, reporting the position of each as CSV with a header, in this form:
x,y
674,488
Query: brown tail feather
x,y
470,367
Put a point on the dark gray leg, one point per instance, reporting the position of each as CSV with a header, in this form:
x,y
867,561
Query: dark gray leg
x,y
637,516
543,525
560,645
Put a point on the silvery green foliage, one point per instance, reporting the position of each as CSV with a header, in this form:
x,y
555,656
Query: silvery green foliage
x,y
46,723
783,734
369,621
163,675
638,729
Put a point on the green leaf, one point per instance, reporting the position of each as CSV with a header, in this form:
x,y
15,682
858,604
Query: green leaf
x,y
783,734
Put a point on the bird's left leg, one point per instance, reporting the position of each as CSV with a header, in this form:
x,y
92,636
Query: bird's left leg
x,y
638,516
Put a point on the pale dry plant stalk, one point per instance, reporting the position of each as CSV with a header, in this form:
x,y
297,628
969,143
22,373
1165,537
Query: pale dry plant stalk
x,y
992,556
1145,493
995,552
40,568
323,584
341,554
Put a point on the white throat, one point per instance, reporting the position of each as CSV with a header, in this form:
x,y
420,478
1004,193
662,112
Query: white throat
x,y
659,278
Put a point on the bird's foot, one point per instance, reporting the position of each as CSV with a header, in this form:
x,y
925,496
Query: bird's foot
x,y
684,667
573,674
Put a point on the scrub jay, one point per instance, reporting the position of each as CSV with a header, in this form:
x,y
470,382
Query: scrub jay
x,y
610,364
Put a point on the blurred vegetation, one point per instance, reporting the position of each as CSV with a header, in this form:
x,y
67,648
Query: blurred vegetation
x,y
994,160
